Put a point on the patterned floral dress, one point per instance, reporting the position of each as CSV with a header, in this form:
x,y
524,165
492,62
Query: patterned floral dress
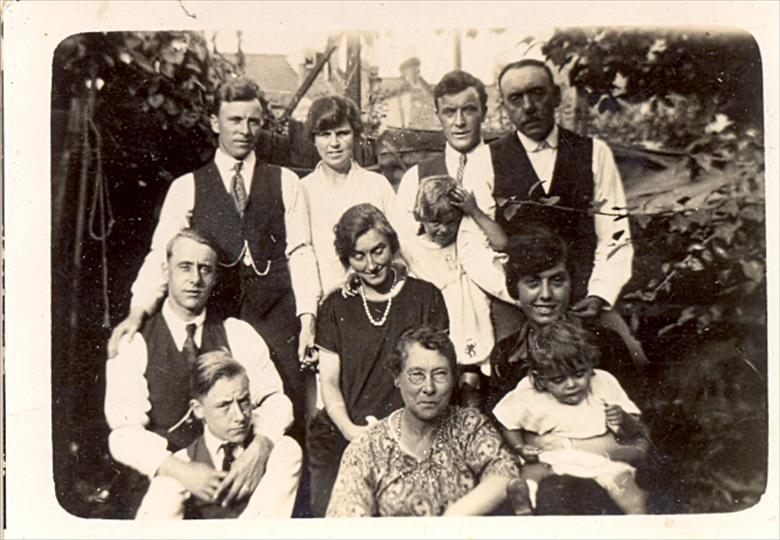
x,y
377,478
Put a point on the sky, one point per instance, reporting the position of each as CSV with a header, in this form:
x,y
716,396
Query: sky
x,y
482,51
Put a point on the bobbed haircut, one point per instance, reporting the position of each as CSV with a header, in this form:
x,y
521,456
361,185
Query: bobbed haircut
x,y
329,112
209,368
523,63
238,89
356,222
427,338
560,348
533,250
192,234
432,201
457,81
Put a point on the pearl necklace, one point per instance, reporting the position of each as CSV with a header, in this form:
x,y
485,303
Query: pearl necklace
x,y
386,314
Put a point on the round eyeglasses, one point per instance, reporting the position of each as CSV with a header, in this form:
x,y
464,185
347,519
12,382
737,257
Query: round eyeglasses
x,y
418,376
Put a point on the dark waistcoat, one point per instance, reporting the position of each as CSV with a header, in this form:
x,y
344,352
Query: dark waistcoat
x,y
572,185
200,509
262,226
168,376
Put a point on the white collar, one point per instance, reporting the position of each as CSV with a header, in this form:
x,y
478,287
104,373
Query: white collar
x,y
178,326
353,168
531,145
213,445
451,153
226,162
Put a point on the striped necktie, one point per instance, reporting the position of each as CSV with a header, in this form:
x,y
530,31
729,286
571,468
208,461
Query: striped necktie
x,y
461,166
238,188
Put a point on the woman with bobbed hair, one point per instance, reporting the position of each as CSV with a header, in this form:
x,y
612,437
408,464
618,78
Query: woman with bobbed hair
x,y
355,335
337,181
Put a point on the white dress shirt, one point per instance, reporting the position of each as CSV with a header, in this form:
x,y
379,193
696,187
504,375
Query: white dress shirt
x,y
327,199
216,450
176,213
127,402
481,263
612,262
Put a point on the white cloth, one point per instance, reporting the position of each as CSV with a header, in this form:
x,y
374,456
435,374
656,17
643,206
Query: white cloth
x,y
468,306
527,408
327,199
127,402
273,497
613,259
150,284
482,264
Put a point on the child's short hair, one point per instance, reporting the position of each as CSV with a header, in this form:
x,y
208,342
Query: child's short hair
x,y
210,367
432,201
558,348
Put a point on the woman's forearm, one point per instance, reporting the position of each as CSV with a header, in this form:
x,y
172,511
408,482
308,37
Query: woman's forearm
x,y
481,500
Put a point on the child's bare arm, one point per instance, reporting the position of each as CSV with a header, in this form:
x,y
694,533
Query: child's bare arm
x,y
520,442
468,205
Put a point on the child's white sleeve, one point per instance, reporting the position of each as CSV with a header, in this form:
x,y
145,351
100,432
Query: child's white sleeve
x,y
511,411
609,389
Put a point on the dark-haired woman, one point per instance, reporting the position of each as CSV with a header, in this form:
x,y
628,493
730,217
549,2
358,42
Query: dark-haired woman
x,y
337,182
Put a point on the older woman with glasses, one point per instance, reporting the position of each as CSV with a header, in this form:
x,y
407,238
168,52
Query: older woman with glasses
x,y
428,458
355,335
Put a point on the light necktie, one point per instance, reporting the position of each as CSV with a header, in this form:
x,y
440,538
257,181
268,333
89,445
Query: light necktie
x,y
189,349
238,189
542,146
227,455
461,166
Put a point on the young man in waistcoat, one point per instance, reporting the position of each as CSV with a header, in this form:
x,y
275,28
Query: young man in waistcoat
x,y
258,217
461,105
221,400
147,401
550,168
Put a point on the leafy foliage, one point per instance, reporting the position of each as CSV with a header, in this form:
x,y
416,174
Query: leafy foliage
x,y
614,65
709,258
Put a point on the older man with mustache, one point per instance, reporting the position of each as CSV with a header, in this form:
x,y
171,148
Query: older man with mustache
x,y
548,167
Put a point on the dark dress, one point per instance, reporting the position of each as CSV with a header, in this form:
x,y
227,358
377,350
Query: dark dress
x,y
365,382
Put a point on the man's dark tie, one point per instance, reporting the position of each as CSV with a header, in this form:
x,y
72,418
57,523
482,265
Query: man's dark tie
x,y
189,349
461,166
227,455
238,188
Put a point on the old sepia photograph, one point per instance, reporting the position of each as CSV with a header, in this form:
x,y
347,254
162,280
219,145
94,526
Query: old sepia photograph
x,y
300,264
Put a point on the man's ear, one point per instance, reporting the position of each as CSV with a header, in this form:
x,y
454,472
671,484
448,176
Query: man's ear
x,y
557,95
214,123
166,270
197,408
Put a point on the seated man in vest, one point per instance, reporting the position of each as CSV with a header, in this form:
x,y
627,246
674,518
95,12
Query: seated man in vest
x,y
546,168
147,402
257,215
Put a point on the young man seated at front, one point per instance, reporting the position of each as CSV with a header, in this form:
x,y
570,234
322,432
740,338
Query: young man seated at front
x,y
219,387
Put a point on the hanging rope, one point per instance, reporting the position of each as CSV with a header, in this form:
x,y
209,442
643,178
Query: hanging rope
x,y
100,209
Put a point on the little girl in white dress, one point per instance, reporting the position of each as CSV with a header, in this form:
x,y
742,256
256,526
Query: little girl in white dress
x,y
576,419
432,255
